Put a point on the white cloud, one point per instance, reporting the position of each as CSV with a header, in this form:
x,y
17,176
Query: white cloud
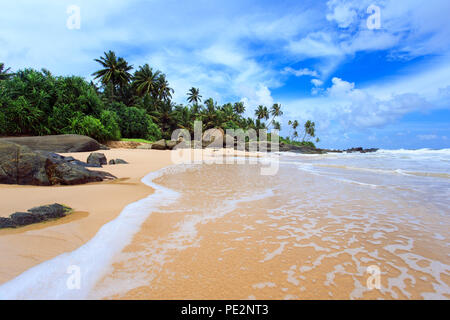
x,y
317,82
427,136
343,13
300,72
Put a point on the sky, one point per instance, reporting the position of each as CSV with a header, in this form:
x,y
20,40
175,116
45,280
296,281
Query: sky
x,y
364,81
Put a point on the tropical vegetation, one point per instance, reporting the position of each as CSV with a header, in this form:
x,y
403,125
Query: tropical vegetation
x,y
120,104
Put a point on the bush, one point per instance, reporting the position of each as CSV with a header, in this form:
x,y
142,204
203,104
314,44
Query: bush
x,y
110,120
3,130
135,123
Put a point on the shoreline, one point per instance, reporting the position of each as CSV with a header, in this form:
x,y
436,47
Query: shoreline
x,y
94,205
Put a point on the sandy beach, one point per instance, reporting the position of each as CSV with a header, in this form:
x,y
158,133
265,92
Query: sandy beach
x,y
94,205
310,231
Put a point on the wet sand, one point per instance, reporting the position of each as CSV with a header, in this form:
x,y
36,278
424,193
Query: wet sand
x,y
94,204
236,234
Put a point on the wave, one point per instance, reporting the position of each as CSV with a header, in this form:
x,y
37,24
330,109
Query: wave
x,y
48,280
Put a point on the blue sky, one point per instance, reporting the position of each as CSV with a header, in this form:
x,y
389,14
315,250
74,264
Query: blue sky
x,y
386,87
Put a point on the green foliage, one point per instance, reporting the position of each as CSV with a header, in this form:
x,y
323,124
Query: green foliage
x,y
135,122
124,104
110,122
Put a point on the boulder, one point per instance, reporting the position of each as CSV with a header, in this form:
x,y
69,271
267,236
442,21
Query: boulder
x,y
96,159
58,143
159,145
35,215
117,161
20,165
171,144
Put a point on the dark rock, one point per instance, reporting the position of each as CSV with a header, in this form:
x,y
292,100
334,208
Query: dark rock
x,y
7,223
96,159
59,143
361,150
117,161
52,211
34,215
20,165
159,145
25,218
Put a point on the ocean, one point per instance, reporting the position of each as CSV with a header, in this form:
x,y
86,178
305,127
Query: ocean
x,y
333,226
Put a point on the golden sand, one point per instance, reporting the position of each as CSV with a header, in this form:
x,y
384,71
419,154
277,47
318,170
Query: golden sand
x,y
94,204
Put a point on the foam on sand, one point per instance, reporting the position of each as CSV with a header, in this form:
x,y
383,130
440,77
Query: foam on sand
x,y
48,280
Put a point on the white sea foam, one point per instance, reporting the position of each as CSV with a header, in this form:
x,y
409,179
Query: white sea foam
x,y
48,280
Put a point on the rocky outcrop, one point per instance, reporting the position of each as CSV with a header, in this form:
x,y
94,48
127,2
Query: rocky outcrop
x,y
361,150
20,165
35,215
117,161
159,145
97,159
59,143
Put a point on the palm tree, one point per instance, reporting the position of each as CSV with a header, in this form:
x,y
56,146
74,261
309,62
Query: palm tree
x,y
115,71
276,125
145,81
310,130
275,112
294,125
194,96
164,91
239,107
262,113
4,73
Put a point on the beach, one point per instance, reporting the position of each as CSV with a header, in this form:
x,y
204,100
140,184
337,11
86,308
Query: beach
x,y
318,228
94,204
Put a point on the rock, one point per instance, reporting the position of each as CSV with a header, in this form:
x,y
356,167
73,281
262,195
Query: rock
x,y
25,218
59,143
146,146
96,159
7,223
171,144
34,215
124,144
51,211
159,145
20,165
213,138
361,150
117,161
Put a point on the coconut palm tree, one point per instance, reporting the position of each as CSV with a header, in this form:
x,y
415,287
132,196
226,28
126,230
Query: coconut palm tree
x,y
145,81
275,112
262,113
115,71
239,107
276,125
310,130
194,96
164,91
4,73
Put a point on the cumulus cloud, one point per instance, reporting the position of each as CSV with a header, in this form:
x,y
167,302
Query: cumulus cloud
x,y
300,72
342,12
